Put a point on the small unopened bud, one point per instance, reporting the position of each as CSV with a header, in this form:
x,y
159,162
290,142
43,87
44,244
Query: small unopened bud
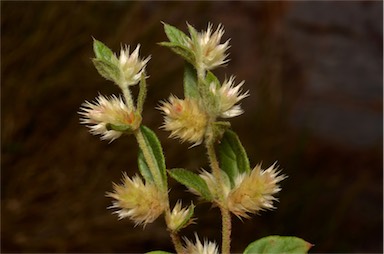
x,y
185,119
253,192
140,202
179,217
109,117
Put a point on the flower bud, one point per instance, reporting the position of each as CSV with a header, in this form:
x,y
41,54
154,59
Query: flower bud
x,y
185,119
142,203
179,217
109,117
253,192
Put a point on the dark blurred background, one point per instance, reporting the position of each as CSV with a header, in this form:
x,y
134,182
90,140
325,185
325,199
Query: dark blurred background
x,y
314,72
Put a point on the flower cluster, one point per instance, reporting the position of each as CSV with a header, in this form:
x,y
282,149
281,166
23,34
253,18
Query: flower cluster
x,y
201,248
185,119
112,116
131,66
142,203
251,192
179,217
109,117
206,47
191,119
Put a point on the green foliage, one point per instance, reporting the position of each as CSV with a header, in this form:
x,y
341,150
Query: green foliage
x,y
278,244
177,42
143,167
190,82
156,152
142,94
105,61
192,181
232,155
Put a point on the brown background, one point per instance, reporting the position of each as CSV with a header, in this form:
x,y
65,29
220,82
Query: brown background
x,y
314,71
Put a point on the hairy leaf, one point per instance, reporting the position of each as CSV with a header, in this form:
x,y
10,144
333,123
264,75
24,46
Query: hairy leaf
x,y
143,167
232,155
278,244
156,151
190,82
192,181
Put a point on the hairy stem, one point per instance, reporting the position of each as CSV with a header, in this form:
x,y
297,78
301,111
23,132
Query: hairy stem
x,y
225,214
159,182
177,242
128,98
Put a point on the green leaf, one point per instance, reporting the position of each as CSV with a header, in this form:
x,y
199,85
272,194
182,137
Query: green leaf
x,y
143,167
211,78
142,94
158,252
119,127
190,82
102,52
156,151
278,244
175,35
232,155
181,50
192,181
107,69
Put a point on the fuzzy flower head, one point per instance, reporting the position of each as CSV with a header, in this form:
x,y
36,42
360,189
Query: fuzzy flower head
x,y
131,66
253,192
228,95
213,184
107,112
179,217
140,202
201,248
185,119
209,53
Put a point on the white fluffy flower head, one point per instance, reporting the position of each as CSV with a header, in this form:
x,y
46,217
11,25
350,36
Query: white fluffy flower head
x,y
228,95
140,202
131,66
208,51
105,111
201,248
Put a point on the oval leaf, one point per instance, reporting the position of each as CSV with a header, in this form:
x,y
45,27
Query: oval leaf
x,y
192,181
175,35
190,82
143,167
278,244
156,151
232,155
102,52
158,252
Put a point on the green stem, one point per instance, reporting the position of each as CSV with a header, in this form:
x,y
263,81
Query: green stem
x,y
177,242
225,214
160,184
128,98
